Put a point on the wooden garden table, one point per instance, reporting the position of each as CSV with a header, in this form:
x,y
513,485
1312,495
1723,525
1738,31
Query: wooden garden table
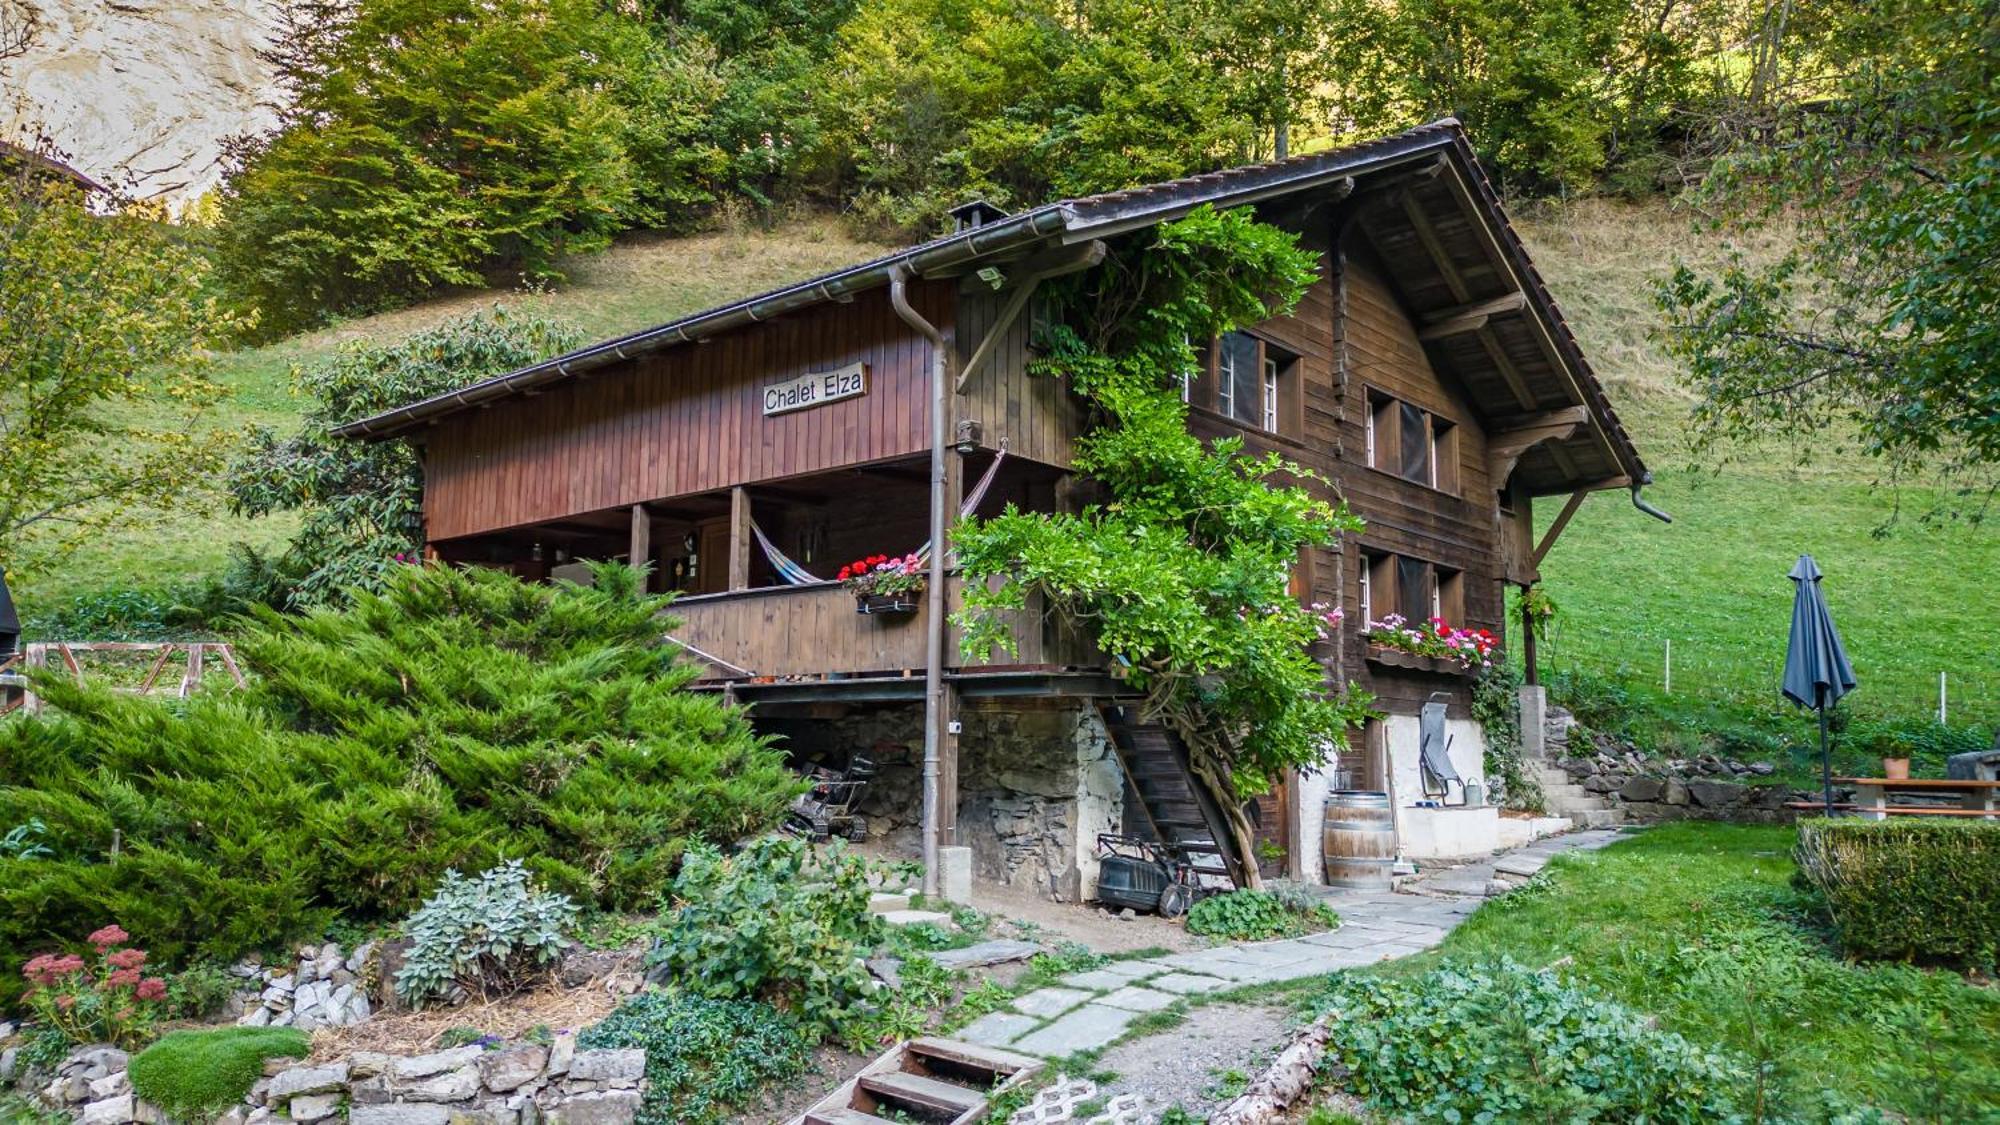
x,y
1978,798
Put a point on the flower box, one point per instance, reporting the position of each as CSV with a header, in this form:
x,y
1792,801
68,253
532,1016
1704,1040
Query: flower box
x,y
1397,658
891,604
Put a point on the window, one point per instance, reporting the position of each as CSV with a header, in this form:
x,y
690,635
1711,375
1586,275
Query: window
x,y
1252,381
1414,589
1411,442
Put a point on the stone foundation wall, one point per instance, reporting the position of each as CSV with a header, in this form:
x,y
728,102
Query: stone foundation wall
x,y
1035,787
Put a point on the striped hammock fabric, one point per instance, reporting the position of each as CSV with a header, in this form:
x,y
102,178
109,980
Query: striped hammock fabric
x,y
792,574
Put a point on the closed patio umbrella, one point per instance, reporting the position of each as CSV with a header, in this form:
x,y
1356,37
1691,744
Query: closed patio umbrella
x,y
1817,673
10,622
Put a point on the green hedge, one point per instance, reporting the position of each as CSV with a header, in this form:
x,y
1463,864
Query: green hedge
x,y
459,719
1908,889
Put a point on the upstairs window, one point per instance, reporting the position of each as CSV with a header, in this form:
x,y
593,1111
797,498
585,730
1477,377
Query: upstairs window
x,y
1252,381
1412,588
1411,442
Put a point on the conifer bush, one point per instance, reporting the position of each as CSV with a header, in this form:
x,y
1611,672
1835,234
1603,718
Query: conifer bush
x,y
459,719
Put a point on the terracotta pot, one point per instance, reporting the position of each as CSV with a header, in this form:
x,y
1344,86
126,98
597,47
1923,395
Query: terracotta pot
x,y
1896,769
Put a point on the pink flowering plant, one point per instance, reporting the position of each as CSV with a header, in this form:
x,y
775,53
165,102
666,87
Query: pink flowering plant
x,y
884,574
112,1001
1326,619
1469,648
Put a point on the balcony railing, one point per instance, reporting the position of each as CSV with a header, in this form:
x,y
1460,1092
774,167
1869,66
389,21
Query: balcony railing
x,y
812,631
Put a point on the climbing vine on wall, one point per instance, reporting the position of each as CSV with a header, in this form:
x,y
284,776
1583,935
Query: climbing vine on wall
x,y
1182,570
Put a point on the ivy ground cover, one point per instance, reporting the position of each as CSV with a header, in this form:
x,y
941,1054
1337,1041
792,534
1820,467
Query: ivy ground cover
x,y
1700,929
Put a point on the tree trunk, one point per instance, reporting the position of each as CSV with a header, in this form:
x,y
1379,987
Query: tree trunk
x,y
1288,1076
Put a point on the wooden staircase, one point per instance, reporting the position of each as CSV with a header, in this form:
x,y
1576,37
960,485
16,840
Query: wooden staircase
x,y
935,1081
1179,811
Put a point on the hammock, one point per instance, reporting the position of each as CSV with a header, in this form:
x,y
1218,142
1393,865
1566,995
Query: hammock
x,y
792,574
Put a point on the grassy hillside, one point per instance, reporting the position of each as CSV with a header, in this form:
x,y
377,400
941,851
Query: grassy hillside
x,y
1714,582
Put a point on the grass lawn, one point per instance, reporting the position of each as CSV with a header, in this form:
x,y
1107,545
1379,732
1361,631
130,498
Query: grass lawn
x,y
1698,926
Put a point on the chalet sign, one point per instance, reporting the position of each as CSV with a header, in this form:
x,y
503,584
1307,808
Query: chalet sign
x,y
816,388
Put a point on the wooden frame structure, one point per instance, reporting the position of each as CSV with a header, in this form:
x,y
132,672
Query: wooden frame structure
x,y
65,655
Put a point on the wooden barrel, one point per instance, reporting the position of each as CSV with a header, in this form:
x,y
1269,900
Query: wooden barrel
x,y
1358,840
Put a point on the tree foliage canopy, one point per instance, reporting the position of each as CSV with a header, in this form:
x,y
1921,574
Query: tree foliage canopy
x,y
362,502
102,382
1183,573
1885,320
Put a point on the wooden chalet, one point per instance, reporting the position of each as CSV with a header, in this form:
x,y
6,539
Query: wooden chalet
x,y
1427,374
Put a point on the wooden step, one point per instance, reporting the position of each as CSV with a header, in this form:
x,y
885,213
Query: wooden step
x,y
993,1059
844,1116
923,1093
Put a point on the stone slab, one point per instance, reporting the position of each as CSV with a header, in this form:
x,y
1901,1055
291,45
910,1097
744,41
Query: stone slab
x,y
1115,975
1085,1029
398,1115
1187,984
915,917
986,953
1047,1003
1523,864
1134,998
997,1029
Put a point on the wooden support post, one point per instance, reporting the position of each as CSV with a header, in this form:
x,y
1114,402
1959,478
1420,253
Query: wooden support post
x,y
1529,675
739,538
1555,530
641,554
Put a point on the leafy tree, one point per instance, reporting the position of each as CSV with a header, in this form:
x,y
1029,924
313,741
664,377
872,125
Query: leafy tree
x,y
441,142
362,502
1023,100
102,383
1183,572
1885,320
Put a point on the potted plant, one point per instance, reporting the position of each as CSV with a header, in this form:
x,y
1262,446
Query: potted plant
x,y
1896,758
884,583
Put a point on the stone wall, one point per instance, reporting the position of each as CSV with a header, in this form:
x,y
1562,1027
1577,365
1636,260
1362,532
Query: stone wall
x,y
1036,785
1649,790
498,1084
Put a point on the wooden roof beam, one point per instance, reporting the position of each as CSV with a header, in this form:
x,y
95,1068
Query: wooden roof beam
x,y
1472,317
1510,374
1570,506
1504,448
1440,257
1030,274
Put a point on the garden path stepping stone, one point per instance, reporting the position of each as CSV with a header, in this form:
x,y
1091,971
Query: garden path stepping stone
x,y
918,917
986,953
1118,974
1133,998
1085,1029
1186,984
1523,865
1050,1002
996,1029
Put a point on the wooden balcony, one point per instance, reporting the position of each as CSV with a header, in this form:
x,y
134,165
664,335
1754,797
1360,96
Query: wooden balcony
x,y
813,632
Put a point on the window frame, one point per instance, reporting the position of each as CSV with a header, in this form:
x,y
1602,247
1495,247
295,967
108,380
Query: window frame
x,y
1274,365
1382,441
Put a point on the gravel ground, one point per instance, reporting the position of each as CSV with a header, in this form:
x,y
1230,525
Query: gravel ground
x,y
1184,1066
1092,925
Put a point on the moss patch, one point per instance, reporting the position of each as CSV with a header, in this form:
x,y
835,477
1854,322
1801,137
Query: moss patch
x,y
192,1075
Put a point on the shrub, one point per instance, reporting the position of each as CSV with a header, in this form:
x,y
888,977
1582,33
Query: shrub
x,y
200,990
483,936
702,1055
459,718
1251,915
1497,1042
1907,889
780,921
192,1075
112,1003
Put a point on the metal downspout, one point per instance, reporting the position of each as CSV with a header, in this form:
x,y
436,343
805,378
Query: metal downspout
x,y
934,585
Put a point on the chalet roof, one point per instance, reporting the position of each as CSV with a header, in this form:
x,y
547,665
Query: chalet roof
x,y
46,165
1419,197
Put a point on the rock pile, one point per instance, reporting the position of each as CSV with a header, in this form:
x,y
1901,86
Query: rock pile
x,y
521,1083
323,989
1704,788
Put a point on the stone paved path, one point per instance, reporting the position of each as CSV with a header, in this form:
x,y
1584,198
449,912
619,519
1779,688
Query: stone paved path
x,y
1088,1010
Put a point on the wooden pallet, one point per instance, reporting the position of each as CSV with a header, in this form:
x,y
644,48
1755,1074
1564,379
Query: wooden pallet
x,y
937,1081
